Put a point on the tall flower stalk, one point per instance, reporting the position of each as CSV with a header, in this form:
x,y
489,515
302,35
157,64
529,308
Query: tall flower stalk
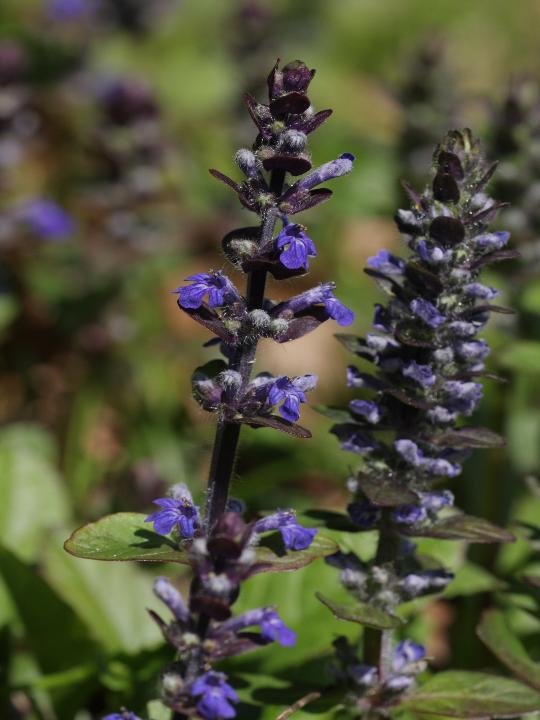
x,y
223,548
427,365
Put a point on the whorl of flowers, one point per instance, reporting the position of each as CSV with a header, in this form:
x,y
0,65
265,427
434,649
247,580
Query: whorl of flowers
x,y
427,363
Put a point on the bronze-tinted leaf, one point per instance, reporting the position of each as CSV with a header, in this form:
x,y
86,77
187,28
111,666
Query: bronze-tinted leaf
x,y
451,164
462,527
445,188
361,613
275,422
385,491
447,231
496,256
271,555
403,397
469,437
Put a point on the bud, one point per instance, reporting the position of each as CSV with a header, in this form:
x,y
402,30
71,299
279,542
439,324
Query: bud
x,y
292,141
259,319
278,327
246,161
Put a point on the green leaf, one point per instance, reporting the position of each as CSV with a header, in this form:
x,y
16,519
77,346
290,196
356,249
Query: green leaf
x,y
275,558
334,413
471,579
361,613
523,356
351,342
30,483
496,634
463,527
462,694
123,537
156,710
112,601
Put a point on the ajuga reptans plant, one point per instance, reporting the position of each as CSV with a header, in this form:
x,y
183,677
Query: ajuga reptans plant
x,y
221,546
427,364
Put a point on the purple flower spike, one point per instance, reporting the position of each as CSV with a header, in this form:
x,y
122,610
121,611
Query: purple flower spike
x,y
427,312
217,286
290,393
177,511
298,247
215,695
46,219
273,629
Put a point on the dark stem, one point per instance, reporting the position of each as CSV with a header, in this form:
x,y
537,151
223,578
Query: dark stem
x,y
378,643
227,433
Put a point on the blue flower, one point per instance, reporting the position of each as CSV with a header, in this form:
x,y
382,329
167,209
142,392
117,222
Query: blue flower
x,y
427,312
492,241
274,630
298,247
367,409
387,263
290,392
422,374
322,294
409,514
177,511
215,695
462,396
46,219
330,170
168,594
483,292
407,653
217,286
124,715
295,536
435,501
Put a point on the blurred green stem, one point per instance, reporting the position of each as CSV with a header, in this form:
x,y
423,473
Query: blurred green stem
x,y
227,433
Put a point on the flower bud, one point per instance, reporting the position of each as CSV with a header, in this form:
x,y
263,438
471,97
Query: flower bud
x,y
246,161
292,141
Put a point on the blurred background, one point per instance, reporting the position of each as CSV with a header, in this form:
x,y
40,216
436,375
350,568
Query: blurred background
x,y
111,113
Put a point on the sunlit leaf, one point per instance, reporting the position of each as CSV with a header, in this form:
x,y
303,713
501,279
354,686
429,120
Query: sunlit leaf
x,y
123,536
273,556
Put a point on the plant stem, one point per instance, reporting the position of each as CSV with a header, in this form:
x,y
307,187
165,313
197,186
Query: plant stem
x,y
228,433
378,643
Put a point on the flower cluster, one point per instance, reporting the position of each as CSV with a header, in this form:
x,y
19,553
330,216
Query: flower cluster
x,y
365,687
427,361
221,561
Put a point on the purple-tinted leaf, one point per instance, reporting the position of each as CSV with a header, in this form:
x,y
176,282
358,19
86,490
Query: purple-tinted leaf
x,y
361,613
479,309
413,195
225,179
275,422
469,437
301,326
495,633
462,527
447,231
486,216
407,399
486,177
208,317
260,114
293,102
291,163
385,491
123,537
496,256
474,695
301,200
308,126
271,555
451,164
423,278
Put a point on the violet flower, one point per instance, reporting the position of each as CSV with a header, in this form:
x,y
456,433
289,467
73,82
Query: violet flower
x,y
177,512
296,247
214,696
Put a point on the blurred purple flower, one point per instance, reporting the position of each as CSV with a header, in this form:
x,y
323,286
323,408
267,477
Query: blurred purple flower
x,y
215,695
46,219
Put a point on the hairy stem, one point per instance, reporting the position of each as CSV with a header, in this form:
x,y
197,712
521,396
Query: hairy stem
x,y
227,433
378,643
